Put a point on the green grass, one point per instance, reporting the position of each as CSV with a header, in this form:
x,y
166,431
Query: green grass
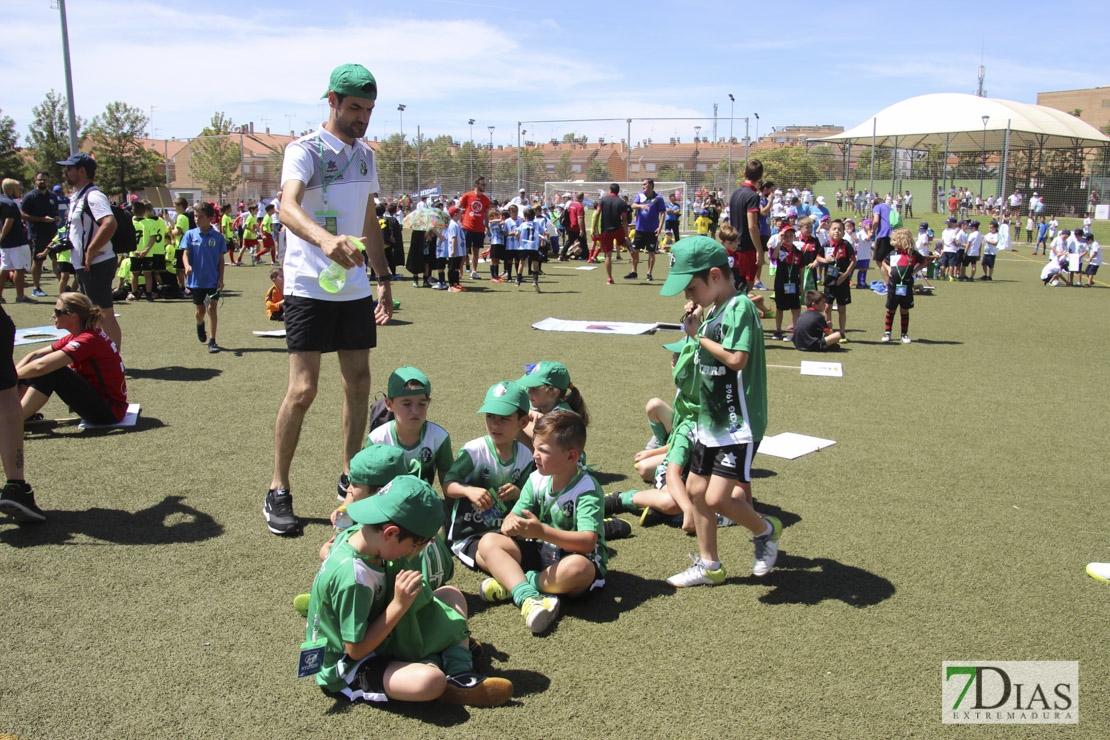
x,y
952,520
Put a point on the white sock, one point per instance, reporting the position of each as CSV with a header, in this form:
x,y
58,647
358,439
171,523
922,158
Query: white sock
x,y
711,564
769,530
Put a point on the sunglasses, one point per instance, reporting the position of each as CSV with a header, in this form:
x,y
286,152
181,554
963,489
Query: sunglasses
x,y
61,312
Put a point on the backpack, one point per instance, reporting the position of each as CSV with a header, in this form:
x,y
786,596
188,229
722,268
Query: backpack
x,y
379,414
895,218
124,240
564,220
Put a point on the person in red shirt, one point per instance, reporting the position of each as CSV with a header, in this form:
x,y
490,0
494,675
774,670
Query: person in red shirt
x,y
475,209
576,234
83,367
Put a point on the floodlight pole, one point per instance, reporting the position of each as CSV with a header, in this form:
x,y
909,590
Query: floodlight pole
x,y
71,110
628,151
983,166
731,113
1005,161
471,169
518,156
871,184
401,117
490,157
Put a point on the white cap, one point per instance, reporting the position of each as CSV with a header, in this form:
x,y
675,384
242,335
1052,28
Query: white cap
x,y
522,190
820,200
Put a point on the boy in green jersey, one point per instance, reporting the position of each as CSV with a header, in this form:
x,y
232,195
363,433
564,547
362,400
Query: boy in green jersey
x,y
553,542
250,235
267,234
385,634
732,411
227,228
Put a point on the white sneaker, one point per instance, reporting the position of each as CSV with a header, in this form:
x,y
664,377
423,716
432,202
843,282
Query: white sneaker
x,y
1099,571
697,575
886,337
767,548
539,613
906,339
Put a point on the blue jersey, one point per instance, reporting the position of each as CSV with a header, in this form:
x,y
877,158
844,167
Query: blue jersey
x,y
205,251
512,235
528,239
496,233
456,240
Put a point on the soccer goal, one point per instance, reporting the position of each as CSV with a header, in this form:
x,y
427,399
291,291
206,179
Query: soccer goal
x,y
596,189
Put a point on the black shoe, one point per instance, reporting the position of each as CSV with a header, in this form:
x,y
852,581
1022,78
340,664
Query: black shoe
x,y
278,510
18,502
648,277
616,529
631,276
341,488
150,298
651,517
202,335
213,348
613,504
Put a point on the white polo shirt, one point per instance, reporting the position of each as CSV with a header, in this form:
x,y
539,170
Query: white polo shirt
x,y
87,207
339,178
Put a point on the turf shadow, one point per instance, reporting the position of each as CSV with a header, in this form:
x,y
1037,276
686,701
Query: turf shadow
x,y
934,341
240,351
801,580
607,478
393,321
788,518
174,372
144,527
48,428
762,473
623,592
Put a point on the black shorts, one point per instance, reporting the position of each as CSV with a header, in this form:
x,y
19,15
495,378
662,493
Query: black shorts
x,y
313,325
733,462
66,268
841,294
882,250
787,301
365,678
532,559
38,244
961,259
474,239
497,252
988,260
969,260
199,294
950,259
1091,270
152,263
96,282
893,300
647,241
8,376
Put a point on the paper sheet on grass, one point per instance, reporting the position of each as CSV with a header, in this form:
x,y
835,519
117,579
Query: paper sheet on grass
x,y
594,327
271,333
789,445
129,419
587,267
830,369
34,334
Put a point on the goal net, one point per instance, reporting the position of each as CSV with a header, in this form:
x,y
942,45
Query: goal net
x,y
559,192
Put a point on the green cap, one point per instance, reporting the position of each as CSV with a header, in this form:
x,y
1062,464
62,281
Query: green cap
x,y
546,373
504,398
401,377
376,465
407,502
354,80
676,347
688,256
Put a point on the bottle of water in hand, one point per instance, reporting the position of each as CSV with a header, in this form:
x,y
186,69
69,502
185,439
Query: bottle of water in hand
x,y
334,276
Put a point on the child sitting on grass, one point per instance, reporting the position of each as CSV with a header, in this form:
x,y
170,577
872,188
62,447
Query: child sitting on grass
x,y
384,633
811,329
552,543
275,296
488,472
424,443
549,389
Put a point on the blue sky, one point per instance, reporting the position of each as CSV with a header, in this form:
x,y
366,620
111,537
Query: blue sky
x,y
455,60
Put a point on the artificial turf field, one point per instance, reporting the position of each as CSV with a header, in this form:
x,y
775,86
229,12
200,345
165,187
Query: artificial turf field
x,y
951,521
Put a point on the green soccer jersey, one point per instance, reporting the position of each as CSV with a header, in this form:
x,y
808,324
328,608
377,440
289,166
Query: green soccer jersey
x,y
681,442
140,234
347,595
268,224
477,464
249,224
124,271
157,233
432,451
182,225
575,508
687,385
226,227
733,405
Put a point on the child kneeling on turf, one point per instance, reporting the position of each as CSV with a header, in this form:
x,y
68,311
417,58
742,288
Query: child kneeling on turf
x,y
811,330
384,633
552,542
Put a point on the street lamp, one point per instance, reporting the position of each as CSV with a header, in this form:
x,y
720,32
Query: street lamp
x,y
401,115
982,170
470,122
490,157
697,134
731,112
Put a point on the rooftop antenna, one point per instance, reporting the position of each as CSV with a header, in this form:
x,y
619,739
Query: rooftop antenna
x,y
982,73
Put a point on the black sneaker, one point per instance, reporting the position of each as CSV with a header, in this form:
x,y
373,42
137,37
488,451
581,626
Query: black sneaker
x,y
278,510
150,298
341,488
651,517
477,691
202,335
213,348
631,276
648,277
613,505
18,502
616,529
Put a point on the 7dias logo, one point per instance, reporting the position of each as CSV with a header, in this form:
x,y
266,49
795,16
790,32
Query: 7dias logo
x,y
1010,692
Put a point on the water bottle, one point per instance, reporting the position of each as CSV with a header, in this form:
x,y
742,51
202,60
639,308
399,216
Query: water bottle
x,y
343,520
334,277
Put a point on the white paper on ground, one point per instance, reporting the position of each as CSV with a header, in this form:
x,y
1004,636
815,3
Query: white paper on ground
x,y
831,369
271,333
129,419
590,267
789,445
34,334
593,327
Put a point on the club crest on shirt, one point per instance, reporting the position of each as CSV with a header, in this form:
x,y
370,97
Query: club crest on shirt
x,y
73,346
672,259
362,167
425,454
729,460
568,509
332,166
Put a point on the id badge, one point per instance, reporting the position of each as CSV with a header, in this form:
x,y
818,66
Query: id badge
x,y
329,221
790,289
311,659
901,289
832,272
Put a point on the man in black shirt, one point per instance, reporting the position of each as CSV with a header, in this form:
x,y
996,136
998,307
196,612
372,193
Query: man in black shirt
x,y
611,228
40,211
743,209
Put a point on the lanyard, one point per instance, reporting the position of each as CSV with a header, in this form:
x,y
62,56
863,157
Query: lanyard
x,y
323,175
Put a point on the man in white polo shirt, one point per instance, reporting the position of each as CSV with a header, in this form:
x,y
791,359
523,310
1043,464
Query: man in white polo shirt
x,y
329,187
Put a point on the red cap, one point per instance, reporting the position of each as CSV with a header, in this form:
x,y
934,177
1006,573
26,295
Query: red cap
x,y
452,210
786,227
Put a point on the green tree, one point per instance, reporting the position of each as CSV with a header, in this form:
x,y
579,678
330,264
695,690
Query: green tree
x,y
11,160
790,166
598,170
123,165
49,134
563,168
217,158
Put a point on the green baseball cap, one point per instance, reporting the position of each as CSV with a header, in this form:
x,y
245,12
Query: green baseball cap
x,y
376,465
546,373
688,256
354,80
504,398
401,377
676,347
407,502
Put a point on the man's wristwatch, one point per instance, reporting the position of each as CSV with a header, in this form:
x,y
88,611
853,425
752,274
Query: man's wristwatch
x,y
384,281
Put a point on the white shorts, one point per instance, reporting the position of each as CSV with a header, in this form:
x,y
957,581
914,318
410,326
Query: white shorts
x,y
16,258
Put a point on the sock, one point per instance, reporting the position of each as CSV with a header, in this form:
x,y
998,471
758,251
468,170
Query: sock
x,y
533,579
492,271
524,590
442,279
659,431
711,564
456,660
905,323
770,528
889,320
626,502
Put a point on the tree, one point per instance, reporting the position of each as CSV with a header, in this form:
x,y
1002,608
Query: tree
x,y
11,161
598,170
49,134
217,157
122,163
563,168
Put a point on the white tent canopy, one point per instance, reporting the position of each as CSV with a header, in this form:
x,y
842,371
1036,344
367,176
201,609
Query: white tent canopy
x,y
955,121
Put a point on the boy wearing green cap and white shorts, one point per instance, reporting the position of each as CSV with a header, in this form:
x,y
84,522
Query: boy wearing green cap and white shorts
x,y
488,473
375,630
408,396
732,411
